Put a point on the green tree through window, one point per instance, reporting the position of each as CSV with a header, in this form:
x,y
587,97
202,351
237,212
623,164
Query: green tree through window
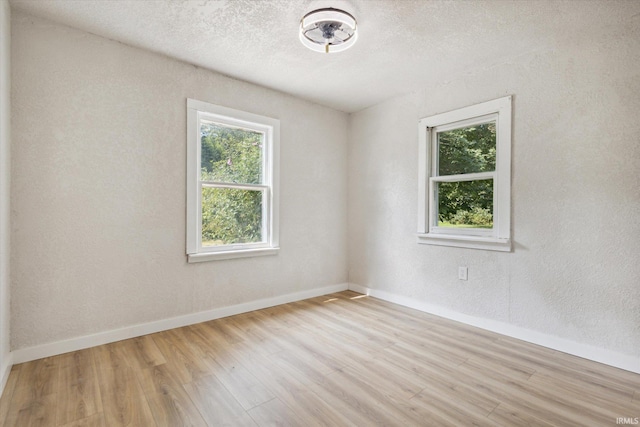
x,y
231,156
463,151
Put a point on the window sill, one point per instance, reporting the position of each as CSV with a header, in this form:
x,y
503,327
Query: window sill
x,y
470,242
216,256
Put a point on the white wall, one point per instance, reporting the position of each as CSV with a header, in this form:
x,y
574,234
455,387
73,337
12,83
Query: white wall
x,y
98,189
5,175
574,272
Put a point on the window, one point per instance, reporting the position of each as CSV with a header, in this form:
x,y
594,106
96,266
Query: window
x,y
232,183
465,177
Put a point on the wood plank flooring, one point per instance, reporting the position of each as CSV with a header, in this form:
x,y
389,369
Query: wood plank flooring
x,y
338,360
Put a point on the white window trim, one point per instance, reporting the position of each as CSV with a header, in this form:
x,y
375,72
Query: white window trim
x,y
228,116
497,239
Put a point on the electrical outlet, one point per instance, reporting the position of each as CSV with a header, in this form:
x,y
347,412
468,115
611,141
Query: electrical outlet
x,y
463,273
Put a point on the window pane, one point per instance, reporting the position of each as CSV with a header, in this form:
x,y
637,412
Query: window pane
x,y
465,204
230,154
231,216
467,150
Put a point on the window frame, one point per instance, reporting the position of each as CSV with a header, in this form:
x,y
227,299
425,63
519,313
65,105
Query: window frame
x,y
499,237
270,128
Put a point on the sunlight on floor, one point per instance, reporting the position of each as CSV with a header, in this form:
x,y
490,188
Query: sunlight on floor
x,y
335,299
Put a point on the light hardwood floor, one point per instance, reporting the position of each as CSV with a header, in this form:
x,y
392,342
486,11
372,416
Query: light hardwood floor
x,y
341,359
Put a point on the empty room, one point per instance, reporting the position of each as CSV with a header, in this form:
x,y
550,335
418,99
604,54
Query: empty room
x,y
313,212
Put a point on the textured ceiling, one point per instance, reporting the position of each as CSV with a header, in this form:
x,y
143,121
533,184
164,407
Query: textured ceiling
x,y
403,45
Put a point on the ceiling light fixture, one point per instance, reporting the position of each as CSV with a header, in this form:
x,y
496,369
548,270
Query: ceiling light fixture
x,y
328,30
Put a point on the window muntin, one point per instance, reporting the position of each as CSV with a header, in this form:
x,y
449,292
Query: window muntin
x,y
232,183
465,177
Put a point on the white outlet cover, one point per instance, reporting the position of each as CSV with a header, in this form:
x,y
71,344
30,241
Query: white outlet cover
x,y
463,273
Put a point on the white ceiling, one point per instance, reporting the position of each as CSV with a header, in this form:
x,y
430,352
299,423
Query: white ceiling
x,y
403,45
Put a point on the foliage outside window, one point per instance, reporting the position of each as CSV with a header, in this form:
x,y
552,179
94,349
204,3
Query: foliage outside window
x,y
465,167
232,180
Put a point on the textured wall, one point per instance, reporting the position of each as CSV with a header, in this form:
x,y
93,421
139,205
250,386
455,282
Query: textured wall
x,y
574,272
5,169
98,191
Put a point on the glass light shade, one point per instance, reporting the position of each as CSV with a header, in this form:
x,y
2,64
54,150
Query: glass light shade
x,y
328,30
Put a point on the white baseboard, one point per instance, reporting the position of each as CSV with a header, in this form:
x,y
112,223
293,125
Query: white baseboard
x,y
608,357
79,343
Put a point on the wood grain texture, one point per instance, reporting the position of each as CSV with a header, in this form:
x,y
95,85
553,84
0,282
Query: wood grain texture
x,y
274,413
167,398
142,352
216,404
507,416
34,399
339,360
77,376
95,420
124,402
5,399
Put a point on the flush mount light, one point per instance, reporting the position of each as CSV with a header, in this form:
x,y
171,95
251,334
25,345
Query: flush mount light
x,y
328,30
